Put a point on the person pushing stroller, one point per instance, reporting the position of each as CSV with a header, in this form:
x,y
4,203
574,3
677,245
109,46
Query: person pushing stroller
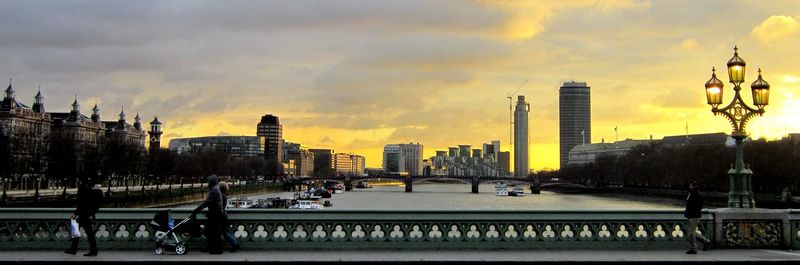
x,y
215,217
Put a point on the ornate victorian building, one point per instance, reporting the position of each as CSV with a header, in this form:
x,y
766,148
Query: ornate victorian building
x,y
30,138
24,136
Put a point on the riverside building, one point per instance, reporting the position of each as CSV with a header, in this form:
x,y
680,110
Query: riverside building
x,y
574,118
271,131
30,138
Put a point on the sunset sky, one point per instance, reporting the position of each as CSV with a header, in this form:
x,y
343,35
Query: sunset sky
x,y
357,75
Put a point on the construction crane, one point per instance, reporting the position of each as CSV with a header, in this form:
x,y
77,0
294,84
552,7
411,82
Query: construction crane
x,y
511,116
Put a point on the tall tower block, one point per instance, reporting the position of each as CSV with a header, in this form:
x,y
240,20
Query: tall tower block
x,y
521,168
574,118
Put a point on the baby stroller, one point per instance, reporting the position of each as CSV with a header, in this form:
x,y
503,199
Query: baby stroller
x,y
167,231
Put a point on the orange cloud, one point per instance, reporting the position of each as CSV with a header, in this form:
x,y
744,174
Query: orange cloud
x,y
775,28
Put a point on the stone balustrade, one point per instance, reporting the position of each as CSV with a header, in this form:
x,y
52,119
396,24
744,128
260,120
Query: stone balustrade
x,y
46,228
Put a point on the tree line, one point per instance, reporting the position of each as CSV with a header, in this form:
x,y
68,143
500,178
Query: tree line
x,y
66,162
775,166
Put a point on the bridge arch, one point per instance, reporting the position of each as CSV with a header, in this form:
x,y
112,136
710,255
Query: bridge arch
x,y
508,181
563,184
460,180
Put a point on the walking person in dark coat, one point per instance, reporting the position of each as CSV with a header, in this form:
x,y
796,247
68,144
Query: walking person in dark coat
x,y
214,216
226,233
694,204
89,201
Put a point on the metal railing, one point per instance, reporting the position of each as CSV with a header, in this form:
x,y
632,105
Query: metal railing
x,y
337,229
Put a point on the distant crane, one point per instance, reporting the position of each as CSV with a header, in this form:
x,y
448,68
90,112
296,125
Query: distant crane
x,y
511,116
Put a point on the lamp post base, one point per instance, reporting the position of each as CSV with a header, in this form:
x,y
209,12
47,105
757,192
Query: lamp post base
x,y
740,195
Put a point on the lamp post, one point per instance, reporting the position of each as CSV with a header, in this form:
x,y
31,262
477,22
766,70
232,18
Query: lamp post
x,y
738,114
4,197
36,195
64,184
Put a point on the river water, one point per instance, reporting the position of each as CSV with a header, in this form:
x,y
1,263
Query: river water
x,y
459,197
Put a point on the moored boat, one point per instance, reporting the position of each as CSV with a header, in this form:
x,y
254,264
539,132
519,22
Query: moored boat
x,y
307,205
240,202
517,191
501,189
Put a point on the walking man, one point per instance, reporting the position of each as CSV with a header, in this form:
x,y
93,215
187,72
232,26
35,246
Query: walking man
x,y
89,201
226,233
694,204
214,216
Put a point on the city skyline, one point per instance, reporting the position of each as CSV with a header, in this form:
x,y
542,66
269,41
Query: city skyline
x,y
355,76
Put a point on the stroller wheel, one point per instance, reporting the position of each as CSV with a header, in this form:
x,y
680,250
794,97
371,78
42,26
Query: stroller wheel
x,y
180,249
160,250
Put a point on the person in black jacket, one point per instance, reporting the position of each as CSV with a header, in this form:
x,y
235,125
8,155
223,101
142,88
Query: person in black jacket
x,y
89,201
226,233
214,217
694,205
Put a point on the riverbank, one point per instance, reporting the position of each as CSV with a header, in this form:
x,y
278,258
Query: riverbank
x,y
142,198
678,197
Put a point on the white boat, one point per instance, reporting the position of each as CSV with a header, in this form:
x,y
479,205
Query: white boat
x,y
518,191
306,204
500,189
240,202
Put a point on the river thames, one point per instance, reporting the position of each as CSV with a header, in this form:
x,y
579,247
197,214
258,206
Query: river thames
x,y
459,197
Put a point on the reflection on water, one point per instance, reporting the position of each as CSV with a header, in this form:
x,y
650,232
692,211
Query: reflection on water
x,y
459,197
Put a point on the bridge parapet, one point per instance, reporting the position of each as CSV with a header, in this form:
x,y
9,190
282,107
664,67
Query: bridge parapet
x,y
335,229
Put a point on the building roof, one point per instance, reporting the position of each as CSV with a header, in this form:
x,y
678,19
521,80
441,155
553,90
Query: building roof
x,y
574,84
625,144
695,139
270,120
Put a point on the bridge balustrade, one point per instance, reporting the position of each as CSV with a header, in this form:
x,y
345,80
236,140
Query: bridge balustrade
x,y
335,229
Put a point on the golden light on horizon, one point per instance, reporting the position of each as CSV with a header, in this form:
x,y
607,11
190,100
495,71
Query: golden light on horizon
x,y
356,77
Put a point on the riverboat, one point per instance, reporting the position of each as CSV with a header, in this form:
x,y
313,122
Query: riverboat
x,y
363,185
240,202
307,205
517,191
500,189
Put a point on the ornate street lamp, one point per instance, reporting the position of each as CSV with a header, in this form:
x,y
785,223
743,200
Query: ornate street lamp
x,y
738,114
36,195
64,186
4,197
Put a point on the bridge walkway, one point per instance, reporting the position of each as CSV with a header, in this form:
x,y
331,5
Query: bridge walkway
x,y
416,256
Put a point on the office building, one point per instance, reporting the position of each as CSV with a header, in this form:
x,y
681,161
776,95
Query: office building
x,y
491,149
348,164
342,164
359,164
521,168
476,153
412,154
271,131
235,146
452,151
504,163
454,163
463,150
323,162
393,159
574,118
302,157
